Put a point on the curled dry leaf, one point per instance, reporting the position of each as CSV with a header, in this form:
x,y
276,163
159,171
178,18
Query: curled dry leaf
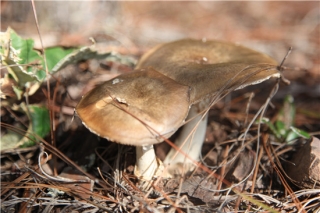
x,y
242,167
304,169
200,187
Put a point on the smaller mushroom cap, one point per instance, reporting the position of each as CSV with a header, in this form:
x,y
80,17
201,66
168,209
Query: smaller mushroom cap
x,y
135,108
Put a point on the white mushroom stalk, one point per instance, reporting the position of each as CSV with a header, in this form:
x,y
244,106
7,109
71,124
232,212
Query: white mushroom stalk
x,y
146,162
148,166
190,141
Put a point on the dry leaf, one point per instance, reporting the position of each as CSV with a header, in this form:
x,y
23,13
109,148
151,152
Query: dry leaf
x,y
304,169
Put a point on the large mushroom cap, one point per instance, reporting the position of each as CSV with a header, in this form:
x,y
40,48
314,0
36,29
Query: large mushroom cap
x,y
135,108
209,66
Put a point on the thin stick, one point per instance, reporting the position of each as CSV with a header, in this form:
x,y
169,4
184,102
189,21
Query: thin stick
x,y
285,58
254,178
51,112
281,68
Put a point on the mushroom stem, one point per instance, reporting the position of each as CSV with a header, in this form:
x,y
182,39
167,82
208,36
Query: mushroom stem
x,y
146,162
188,142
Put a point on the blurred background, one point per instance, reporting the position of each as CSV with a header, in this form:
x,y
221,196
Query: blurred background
x,y
271,27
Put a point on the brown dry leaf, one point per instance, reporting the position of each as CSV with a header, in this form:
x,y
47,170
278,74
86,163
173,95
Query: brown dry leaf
x,y
241,167
80,188
304,169
200,187
314,169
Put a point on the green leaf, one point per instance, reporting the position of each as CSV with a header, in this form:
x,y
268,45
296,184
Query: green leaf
x,y
281,128
15,53
263,120
17,91
40,120
19,74
24,64
56,54
272,127
288,112
83,53
300,132
39,124
26,54
291,136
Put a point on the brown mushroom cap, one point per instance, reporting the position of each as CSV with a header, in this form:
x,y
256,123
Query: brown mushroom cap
x,y
135,108
207,66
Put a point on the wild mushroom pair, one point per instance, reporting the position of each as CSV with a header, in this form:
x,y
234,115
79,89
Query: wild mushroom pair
x,y
172,83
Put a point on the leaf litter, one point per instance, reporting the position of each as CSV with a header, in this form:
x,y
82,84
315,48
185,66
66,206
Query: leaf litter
x,y
114,187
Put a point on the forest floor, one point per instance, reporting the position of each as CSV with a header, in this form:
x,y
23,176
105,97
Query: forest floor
x,y
264,173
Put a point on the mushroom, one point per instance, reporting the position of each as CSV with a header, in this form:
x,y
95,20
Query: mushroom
x,y
146,106
136,109
210,69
